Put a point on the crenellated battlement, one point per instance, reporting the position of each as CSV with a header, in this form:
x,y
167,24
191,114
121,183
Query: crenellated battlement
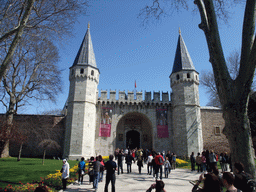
x,y
134,97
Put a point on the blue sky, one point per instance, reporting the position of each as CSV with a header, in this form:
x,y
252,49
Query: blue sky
x,y
126,51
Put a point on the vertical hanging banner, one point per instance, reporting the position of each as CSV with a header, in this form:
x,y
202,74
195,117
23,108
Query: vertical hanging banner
x,y
105,123
162,125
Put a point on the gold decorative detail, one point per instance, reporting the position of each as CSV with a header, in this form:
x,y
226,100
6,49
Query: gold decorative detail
x,y
179,31
89,25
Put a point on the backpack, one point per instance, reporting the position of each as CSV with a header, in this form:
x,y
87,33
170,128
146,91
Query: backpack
x,y
160,160
251,183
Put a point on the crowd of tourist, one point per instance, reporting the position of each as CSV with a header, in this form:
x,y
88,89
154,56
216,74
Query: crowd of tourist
x,y
208,159
158,163
214,181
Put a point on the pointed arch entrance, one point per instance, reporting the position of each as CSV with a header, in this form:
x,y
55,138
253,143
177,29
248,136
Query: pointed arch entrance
x,y
134,130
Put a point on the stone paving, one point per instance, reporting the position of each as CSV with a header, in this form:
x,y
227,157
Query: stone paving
x,y
178,181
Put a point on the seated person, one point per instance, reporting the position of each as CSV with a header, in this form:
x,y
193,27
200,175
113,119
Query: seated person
x,y
242,178
159,186
228,181
211,183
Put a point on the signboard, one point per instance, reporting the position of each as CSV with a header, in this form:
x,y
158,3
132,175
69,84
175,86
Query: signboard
x,y
105,122
162,124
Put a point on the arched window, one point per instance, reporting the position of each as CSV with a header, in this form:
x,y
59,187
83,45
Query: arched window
x,y
178,77
82,71
188,75
196,77
72,72
92,72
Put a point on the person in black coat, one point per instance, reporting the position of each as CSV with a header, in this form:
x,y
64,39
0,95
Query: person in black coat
x,y
128,161
110,167
193,161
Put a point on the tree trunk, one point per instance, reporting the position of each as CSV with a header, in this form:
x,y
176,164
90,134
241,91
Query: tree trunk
x,y
238,133
20,152
5,150
44,156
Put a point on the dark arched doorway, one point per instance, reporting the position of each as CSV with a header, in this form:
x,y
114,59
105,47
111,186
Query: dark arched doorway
x,y
132,139
134,130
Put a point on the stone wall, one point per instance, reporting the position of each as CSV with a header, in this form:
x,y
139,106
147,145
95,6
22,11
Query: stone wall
x,y
146,112
38,128
212,126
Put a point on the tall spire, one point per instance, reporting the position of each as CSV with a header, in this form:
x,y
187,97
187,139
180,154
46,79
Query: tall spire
x,y
85,55
182,59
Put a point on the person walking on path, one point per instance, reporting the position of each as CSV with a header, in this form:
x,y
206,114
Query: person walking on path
x,y
81,171
140,163
110,167
212,160
96,169
128,161
90,170
159,165
167,167
101,168
203,164
120,161
226,161
154,165
149,165
65,173
193,161
221,160
173,161
199,162
169,155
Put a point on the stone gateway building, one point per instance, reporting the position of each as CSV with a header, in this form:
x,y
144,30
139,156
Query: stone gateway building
x,y
96,122
157,121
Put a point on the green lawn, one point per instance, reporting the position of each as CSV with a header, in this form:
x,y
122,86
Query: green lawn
x,y
27,170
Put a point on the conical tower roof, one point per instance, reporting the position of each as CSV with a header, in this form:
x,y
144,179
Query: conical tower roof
x,y
85,55
182,59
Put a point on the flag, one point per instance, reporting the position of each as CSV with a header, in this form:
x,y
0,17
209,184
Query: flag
x,y
135,84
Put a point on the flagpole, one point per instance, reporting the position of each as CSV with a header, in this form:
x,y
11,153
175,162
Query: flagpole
x,y
135,91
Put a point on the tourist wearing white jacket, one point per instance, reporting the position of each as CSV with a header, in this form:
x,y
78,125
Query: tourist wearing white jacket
x,y
65,173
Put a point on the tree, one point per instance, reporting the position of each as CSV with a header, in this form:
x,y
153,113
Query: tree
x,y
48,144
207,78
20,136
33,75
233,93
40,18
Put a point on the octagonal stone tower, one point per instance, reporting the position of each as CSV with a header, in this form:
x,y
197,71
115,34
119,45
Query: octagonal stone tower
x,y
187,126
81,110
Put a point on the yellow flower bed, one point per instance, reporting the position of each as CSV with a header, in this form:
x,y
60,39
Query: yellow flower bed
x,y
180,161
74,169
105,157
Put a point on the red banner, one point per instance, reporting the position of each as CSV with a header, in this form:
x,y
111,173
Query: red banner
x,y
162,124
106,120
162,131
105,130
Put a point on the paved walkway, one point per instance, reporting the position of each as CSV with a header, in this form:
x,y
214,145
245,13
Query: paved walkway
x,y
178,181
